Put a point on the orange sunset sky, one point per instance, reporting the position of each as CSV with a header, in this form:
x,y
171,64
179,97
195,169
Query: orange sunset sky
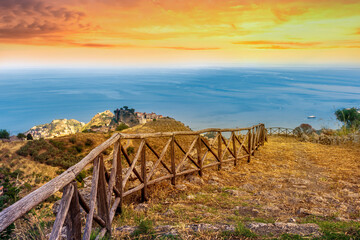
x,y
178,32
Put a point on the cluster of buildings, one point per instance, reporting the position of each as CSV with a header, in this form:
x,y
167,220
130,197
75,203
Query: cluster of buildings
x,y
147,117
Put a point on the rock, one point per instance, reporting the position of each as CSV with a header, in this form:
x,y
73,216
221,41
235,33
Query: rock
x,y
142,207
166,231
236,193
126,229
169,212
271,209
55,207
209,227
180,187
277,229
354,195
291,220
194,179
299,181
303,211
213,182
248,187
190,197
249,211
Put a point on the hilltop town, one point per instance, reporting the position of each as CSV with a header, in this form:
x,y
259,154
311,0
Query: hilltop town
x,y
102,122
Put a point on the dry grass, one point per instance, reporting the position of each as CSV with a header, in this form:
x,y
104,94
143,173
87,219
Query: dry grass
x,y
286,179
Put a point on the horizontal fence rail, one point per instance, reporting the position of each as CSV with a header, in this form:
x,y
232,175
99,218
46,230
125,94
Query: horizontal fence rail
x,y
157,157
280,131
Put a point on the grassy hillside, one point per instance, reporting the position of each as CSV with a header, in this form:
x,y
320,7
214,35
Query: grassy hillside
x,y
160,125
287,180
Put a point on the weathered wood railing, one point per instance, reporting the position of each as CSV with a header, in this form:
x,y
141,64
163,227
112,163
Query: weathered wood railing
x,y
109,189
280,131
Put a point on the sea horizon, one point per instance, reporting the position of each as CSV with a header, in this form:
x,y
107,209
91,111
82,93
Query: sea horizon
x,y
200,97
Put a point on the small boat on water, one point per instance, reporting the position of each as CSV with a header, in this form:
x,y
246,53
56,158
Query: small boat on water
x,y
311,117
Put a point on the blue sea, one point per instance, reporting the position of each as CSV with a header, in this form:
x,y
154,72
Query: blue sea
x,y
199,97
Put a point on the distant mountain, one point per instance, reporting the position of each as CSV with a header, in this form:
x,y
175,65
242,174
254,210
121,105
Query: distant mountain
x,y
57,127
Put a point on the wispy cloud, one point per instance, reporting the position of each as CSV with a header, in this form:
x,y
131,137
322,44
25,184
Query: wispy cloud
x,y
264,44
191,48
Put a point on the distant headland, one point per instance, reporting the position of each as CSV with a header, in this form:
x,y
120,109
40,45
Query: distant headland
x,y
102,122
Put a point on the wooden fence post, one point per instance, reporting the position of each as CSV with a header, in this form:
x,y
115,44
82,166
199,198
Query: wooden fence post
x,y
102,201
73,219
143,174
249,145
93,193
63,211
119,183
219,150
253,141
234,147
172,152
198,148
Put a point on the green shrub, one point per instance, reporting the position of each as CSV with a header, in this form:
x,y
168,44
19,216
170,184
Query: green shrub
x,y
145,226
79,148
130,150
80,177
89,142
4,134
349,116
72,140
29,137
11,195
21,136
121,127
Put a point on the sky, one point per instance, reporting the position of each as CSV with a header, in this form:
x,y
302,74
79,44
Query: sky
x,y
155,33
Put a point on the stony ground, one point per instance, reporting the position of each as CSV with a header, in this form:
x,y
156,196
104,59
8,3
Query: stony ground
x,y
287,181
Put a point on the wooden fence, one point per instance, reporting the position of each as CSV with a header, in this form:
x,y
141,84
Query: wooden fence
x,y
280,131
171,155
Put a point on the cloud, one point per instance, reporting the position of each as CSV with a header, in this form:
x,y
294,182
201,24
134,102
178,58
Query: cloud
x,y
34,18
285,14
278,44
101,45
191,48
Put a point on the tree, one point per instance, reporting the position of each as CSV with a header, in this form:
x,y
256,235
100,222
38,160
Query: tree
x,y
4,134
21,136
349,116
29,137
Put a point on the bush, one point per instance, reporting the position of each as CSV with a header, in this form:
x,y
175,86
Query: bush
x,y
349,116
130,150
4,134
121,127
21,136
89,142
29,137
72,140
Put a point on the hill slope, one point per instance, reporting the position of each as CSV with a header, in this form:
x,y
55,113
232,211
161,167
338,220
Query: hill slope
x,y
56,128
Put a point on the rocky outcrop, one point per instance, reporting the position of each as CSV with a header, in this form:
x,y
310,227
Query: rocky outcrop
x,y
56,128
277,229
327,139
100,121
127,116
263,229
